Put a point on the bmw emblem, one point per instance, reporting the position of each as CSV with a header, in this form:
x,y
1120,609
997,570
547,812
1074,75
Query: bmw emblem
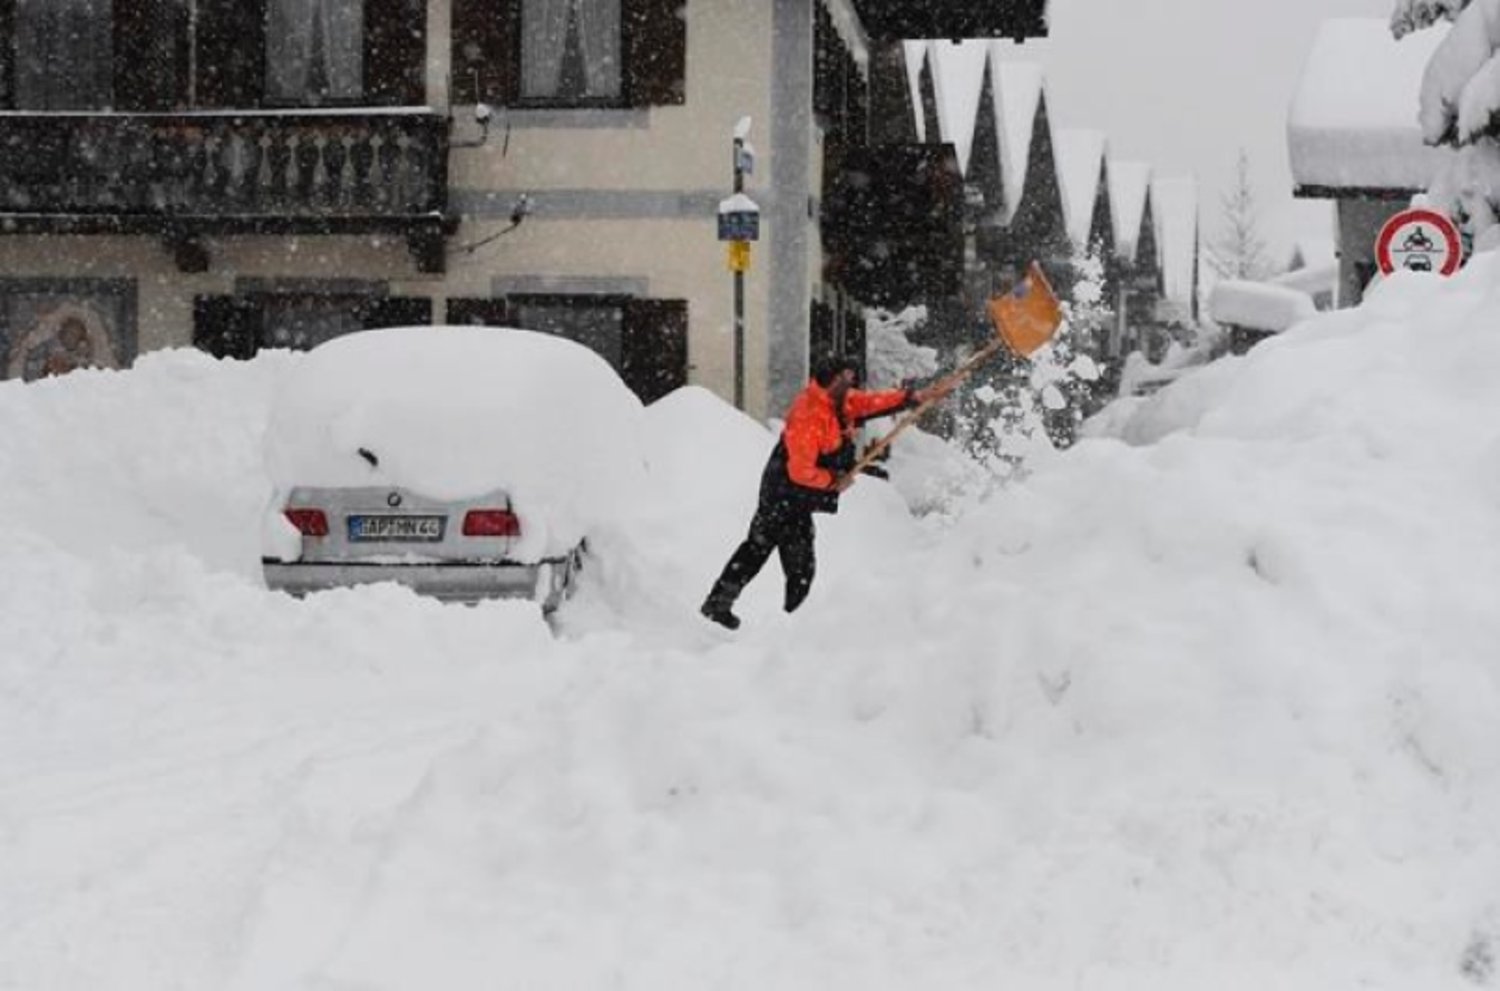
x,y
393,500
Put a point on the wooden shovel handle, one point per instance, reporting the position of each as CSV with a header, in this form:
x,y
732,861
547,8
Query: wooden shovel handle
x,y
946,384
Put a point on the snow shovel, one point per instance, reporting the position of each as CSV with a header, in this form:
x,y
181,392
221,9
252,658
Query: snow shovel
x,y
1025,319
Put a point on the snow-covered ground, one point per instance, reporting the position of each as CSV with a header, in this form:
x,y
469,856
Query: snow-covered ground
x,y
1211,703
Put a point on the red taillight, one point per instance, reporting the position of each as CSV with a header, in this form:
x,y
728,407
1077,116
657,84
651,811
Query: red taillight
x,y
491,523
312,522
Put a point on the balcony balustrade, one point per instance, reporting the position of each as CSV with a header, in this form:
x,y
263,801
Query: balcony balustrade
x,y
240,172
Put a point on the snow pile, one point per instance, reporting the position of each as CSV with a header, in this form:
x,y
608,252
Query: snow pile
x,y
1353,122
1206,703
1259,305
455,412
167,457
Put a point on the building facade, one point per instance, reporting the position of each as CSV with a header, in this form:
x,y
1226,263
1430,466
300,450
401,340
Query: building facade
x,y
1354,137
243,174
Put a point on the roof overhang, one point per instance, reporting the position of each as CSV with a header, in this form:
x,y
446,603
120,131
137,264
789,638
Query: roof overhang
x,y
896,20
1316,192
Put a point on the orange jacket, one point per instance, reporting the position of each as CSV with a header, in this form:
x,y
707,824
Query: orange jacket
x,y
814,428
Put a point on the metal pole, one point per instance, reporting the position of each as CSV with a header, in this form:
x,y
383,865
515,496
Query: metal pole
x,y
739,292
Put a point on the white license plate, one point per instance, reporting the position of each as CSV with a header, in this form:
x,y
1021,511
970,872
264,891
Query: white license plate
x,y
427,529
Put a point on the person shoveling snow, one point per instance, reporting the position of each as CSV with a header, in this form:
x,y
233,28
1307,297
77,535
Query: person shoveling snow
x,y
815,460
808,469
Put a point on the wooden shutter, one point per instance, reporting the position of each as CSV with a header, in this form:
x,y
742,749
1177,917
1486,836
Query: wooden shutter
x,y
654,351
486,51
395,53
227,326
150,56
396,311
477,310
852,340
231,53
822,342
7,54
655,36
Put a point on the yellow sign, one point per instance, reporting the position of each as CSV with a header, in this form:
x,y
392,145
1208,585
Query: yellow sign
x,y
739,256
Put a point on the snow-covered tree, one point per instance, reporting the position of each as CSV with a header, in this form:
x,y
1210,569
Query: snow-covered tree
x,y
1413,15
1022,408
893,358
1460,107
1240,251
1089,314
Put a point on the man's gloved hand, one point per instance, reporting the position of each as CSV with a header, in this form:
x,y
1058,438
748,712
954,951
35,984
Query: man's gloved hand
x,y
933,393
842,482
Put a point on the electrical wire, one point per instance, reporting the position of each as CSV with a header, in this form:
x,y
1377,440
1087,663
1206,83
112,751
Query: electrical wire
x,y
518,214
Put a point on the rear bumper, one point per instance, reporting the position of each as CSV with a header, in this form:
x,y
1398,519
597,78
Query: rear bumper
x,y
546,582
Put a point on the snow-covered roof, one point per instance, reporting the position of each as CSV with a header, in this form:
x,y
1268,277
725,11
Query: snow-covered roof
x,y
1020,87
1080,160
1313,279
958,71
1129,189
1175,202
1259,305
916,61
846,22
1354,120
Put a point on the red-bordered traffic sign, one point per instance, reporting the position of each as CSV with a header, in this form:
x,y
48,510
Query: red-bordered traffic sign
x,y
1419,241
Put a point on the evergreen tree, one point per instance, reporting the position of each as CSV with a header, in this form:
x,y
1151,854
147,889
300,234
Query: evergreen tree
x,y
1021,408
893,358
1240,252
1413,15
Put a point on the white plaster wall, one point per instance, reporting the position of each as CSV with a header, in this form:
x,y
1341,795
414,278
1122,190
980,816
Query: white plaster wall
x,y
662,150
682,149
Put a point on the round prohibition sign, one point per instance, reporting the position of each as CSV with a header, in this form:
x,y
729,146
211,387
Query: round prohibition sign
x,y
1419,241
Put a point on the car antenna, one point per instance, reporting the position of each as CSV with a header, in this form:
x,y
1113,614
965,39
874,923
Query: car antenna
x,y
369,456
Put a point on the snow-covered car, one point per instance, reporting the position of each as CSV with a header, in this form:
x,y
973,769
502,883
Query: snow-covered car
x,y
463,462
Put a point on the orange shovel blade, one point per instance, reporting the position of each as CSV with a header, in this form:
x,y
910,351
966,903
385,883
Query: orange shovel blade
x,y
1028,316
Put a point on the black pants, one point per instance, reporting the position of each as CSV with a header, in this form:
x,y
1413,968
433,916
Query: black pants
x,y
777,526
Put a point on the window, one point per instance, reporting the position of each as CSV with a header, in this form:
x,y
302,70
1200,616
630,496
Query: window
x,y
571,51
64,57
596,324
301,322
315,51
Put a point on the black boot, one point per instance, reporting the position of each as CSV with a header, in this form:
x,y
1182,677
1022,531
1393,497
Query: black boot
x,y
719,611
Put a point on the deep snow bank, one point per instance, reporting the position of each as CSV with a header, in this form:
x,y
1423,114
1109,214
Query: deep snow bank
x,y
1209,703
